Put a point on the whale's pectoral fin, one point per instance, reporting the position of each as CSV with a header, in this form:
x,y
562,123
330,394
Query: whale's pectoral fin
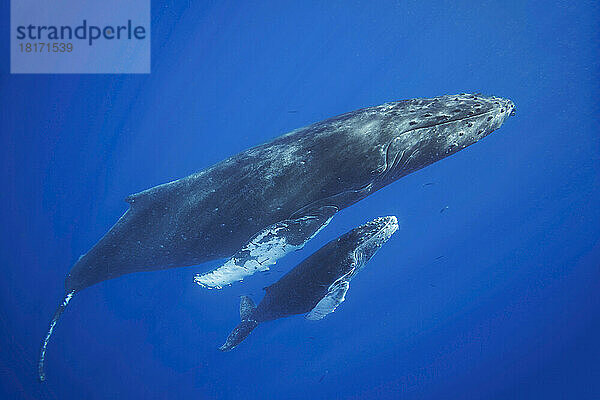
x,y
267,246
334,297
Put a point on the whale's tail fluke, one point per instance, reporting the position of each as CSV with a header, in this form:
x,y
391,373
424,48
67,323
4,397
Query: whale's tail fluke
x,y
247,324
57,314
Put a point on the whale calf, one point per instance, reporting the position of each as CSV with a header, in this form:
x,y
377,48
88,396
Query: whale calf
x,y
318,284
258,205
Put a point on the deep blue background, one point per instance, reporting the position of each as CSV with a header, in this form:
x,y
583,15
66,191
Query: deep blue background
x,y
495,298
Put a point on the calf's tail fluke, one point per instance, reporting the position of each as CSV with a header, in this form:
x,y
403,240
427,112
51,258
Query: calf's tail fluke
x,y
246,325
57,314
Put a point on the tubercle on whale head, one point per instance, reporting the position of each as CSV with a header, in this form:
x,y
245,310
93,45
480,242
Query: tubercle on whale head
x,y
423,131
475,117
366,239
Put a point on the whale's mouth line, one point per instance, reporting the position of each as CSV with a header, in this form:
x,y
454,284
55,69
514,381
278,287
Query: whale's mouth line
x,y
450,121
392,164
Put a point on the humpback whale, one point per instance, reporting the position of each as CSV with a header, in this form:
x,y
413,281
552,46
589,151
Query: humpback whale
x,y
256,206
318,284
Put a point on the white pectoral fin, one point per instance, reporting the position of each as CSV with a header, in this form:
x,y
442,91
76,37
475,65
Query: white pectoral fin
x,y
334,297
232,271
266,247
257,255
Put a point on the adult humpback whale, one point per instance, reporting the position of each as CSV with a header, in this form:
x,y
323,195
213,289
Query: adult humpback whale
x,y
318,284
261,203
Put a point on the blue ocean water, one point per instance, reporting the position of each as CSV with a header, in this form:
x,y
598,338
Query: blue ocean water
x,y
496,297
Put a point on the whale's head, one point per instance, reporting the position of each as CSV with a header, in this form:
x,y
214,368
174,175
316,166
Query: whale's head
x,y
420,132
364,241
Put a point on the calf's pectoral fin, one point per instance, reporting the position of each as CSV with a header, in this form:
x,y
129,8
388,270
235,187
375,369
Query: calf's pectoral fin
x,y
334,297
267,246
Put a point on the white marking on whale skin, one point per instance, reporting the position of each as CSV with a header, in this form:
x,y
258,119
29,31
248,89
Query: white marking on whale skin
x,y
261,252
280,158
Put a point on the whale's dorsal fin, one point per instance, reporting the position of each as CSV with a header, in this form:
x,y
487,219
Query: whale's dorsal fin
x,y
131,198
155,192
139,198
334,297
